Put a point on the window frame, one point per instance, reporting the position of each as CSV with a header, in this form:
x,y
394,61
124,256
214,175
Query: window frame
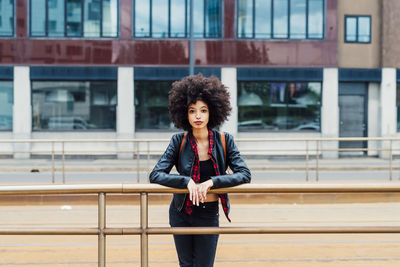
x,y
357,36
73,130
187,21
286,105
13,100
81,36
288,23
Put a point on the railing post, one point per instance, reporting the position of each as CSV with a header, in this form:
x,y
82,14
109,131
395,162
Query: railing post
x,y
137,162
102,224
307,158
144,242
317,163
390,160
148,158
53,177
63,162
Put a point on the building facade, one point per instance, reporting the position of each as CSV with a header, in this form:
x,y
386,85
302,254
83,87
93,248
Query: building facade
x,y
103,68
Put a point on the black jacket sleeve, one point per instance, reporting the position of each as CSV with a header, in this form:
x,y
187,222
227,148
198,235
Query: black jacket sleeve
x,y
160,174
241,173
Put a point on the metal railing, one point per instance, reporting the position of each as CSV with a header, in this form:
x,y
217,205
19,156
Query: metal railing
x,y
144,230
312,149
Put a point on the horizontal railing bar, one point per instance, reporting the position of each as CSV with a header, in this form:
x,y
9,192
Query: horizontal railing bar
x,y
57,141
58,231
274,230
208,230
155,188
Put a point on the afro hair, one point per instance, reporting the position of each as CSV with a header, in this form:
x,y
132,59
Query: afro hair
x,y
192,88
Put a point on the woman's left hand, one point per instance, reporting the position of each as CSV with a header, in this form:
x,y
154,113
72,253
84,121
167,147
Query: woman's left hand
x,y
203,188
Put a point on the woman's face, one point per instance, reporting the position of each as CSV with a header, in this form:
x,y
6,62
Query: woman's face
x,y
198,114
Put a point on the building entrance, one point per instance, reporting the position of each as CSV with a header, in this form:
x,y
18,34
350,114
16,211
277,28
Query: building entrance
x,y
353,106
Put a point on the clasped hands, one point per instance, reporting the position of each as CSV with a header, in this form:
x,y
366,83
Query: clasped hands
x,y
198,192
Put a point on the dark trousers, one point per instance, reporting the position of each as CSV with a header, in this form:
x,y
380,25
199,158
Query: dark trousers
x,y
196,250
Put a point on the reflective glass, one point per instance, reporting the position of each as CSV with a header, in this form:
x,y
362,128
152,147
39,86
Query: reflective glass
x,y
38,17
298,19
351,29
245,19
213,17
280,19
315,19
110,18
56,18
91,26
398,106
74,105
160,19
151,105
6,105
178,27
142,18
6,18
263,19
198,18
74,18
364,28
273,106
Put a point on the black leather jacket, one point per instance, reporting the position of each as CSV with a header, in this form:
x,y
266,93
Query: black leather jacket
x,y
161,172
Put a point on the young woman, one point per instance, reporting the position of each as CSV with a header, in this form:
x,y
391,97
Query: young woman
x,y
198,105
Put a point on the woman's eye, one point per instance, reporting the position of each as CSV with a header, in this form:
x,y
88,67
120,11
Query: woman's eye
x,y
204,110
191,111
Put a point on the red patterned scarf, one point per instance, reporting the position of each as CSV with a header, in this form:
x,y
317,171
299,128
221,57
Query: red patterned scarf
x,y
196,172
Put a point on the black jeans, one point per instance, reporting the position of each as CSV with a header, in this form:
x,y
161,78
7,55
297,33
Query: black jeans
x,y
196,250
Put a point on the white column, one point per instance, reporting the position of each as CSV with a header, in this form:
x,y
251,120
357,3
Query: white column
x,y
330,110
125,110
22,110
228,78
388,106
373,117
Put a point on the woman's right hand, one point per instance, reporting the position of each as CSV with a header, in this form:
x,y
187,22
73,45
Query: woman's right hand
x,y
193,194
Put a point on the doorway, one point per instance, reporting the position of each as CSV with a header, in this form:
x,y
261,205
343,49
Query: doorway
x,y
353,107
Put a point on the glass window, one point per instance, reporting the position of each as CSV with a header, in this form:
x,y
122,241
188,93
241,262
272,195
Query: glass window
x,y
315,19
398,106
171,18
74,105
6,105
6,18
56,18
74,18
298,19
151,105
274,106
178,28
263,19
92,18
358,29
245,19
38,11
280,19
142,18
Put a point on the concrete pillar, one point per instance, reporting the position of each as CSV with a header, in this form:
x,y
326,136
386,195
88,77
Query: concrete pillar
x,y
22,110
330,111
229,79
373,117
125,110
387,107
